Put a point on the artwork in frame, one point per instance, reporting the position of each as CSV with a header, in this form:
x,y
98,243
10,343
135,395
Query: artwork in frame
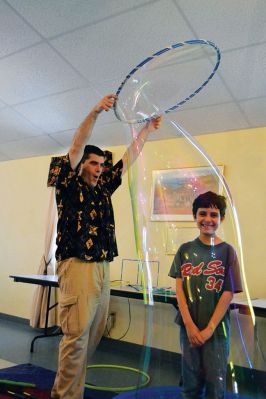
x,y
174,190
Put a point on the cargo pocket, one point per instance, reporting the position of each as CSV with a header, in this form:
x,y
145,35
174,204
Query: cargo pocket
x,y
69,315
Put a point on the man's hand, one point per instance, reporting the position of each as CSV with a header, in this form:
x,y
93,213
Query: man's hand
x,y
154,124
105,103
85,129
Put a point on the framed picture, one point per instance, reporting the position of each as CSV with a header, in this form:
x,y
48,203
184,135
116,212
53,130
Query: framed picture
x,y
174,190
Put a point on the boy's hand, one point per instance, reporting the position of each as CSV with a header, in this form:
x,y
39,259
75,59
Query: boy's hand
x,y
194,335
206,333
105,103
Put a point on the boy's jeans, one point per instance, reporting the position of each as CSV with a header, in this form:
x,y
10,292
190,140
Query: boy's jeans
x,y
204,367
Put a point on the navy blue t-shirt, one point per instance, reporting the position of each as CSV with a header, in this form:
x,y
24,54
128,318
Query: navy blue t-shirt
x,y
206,271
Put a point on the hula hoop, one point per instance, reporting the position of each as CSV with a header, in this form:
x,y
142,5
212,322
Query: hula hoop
x,y
18,383
158,54
118,389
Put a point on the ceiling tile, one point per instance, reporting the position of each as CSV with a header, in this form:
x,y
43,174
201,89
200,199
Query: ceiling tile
x,y
255,111
30,147
43,98
214,92
2,105
15,33
14,126
52,18
244,71
104,87
110,135
103,135
63,138
228,23
211,119
115,46
35,72
59,112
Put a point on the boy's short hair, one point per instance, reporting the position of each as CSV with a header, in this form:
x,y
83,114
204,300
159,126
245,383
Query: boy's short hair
x,y
209,200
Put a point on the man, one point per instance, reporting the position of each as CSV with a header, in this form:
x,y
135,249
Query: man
x,y
86,244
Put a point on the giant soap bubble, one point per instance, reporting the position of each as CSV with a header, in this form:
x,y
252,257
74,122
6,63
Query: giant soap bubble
x,y
171,171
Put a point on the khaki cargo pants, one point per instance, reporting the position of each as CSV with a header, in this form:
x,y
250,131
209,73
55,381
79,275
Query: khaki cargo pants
x,y
83,310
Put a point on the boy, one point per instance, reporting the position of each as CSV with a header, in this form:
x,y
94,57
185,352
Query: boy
x,y
207,274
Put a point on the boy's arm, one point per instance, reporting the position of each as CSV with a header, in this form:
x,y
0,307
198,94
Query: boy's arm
x,y
218,314
137,144
193,332
85,129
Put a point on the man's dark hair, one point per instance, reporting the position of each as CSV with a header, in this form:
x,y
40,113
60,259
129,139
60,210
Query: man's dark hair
x,y
209,200
90,149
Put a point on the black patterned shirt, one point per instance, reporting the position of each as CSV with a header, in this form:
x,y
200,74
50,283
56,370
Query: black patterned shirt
x,y
86,227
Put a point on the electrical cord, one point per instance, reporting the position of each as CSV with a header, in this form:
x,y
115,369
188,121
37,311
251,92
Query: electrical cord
x,y
129,322
128,327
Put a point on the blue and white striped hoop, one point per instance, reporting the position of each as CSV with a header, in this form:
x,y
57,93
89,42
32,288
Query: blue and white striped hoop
x,y
160,53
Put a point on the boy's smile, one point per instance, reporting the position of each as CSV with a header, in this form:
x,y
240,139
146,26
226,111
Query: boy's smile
x,y
208,221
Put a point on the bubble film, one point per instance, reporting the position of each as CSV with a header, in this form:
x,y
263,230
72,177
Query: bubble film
x,y
172,169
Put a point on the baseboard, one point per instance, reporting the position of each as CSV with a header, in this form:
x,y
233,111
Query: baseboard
x,y
124,346
17,319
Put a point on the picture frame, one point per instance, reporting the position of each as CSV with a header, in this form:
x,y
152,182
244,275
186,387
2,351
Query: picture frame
x,y
174,190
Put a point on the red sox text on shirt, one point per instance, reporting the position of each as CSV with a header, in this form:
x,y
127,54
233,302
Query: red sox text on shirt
x,y
212,269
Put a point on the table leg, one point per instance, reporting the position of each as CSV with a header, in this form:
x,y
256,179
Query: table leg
x,y
58,330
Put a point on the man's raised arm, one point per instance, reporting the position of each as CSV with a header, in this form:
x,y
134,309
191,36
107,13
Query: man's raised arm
x,y
84,131
137,144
